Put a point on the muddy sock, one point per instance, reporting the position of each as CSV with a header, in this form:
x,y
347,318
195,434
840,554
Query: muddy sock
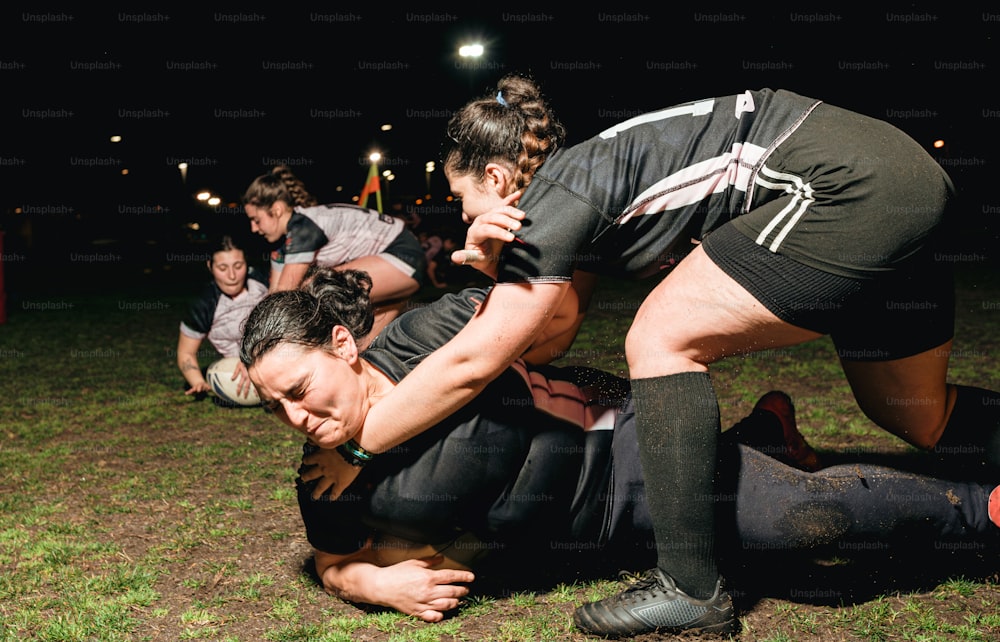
x,y
971,439
677,421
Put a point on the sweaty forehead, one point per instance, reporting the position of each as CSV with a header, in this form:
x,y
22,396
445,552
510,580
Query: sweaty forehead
x,y
279,368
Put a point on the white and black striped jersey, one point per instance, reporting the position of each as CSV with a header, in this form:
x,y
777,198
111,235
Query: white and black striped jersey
x,y
335,234
220,318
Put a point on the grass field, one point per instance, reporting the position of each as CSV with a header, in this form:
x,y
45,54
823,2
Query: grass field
x,y
129,511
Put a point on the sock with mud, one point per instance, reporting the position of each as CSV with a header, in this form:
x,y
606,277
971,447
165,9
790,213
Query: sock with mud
x,y
677,421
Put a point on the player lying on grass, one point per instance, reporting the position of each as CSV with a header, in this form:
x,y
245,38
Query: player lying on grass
x,y
544,460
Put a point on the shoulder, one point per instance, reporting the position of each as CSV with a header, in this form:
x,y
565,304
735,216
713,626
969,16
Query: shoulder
x,y
209,293
304,232
421,330
302,216
257,286
202,309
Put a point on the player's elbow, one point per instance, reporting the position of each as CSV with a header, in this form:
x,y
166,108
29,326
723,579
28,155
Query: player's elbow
x,y
476,368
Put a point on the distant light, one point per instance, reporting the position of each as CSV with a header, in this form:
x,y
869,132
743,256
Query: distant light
x,y
938,144
375,157
203,196
471,51
116,139
182,166
386,127
429,166
124,171
215,200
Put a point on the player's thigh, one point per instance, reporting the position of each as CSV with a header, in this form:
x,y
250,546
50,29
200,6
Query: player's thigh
x,y
909,397
697,315
388,281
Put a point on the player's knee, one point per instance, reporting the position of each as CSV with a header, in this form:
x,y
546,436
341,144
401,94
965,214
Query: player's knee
x,y
649,356
643,351
919,422
633,345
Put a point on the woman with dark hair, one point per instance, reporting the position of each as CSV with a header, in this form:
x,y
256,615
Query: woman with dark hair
x,y
544,461
772,219
218,315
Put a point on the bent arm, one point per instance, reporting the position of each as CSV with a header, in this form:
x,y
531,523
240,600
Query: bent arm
x,y
412,586
559,334
290,277
187,362
507,323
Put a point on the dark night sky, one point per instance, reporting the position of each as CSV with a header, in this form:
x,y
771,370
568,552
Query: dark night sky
x,y
232,92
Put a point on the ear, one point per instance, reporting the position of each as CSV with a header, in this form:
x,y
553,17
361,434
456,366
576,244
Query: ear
x,y
498,178
344,344
279,209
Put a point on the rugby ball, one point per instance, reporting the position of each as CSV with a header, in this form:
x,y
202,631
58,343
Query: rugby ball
x,y
220,377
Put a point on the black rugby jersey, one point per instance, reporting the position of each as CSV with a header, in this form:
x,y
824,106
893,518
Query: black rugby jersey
x,y
525,463
630,200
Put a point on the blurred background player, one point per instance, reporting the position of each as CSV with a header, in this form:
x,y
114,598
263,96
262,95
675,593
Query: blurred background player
x,y
218,315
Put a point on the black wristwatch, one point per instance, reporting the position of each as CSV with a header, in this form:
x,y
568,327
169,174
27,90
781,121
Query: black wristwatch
x,y
354,454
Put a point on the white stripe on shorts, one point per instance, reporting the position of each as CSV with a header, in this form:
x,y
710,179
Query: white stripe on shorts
x,y
802,197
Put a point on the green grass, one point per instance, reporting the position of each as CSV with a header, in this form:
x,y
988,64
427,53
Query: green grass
x,y
131,512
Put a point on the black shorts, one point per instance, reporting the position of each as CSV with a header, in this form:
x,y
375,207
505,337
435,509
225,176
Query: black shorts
x,y
896,314
407,255
848,195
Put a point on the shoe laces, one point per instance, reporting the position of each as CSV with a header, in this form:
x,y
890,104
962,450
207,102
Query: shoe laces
x,y
644,581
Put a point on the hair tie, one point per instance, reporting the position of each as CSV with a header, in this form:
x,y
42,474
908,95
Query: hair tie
x,y
500,98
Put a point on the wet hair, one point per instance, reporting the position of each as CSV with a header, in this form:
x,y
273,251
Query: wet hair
x,y
306,316
512,126
280,184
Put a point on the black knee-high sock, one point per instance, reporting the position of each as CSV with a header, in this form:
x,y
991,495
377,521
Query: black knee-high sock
x,y
971,439
677,421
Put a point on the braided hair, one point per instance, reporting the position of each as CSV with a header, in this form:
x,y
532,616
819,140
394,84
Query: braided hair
x,y
280,184
512,126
